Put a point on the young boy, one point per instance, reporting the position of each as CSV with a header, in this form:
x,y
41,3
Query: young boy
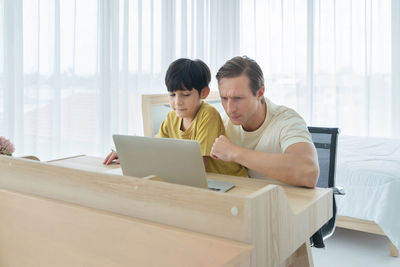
x,y
191,118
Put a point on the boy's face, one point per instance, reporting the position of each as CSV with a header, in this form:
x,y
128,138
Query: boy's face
x,y
185,103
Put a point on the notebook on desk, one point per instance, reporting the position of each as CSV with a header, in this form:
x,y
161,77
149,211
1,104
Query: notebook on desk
x,y
174,160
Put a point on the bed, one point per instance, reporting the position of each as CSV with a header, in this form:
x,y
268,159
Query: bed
x,y
369,170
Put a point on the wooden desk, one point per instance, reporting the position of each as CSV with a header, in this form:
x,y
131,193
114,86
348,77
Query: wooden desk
x,y
88,204
298,198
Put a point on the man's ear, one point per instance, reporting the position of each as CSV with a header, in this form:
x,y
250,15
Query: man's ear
x,y
260,93
205,92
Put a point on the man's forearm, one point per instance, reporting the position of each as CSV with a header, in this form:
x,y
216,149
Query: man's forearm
x,y
294,169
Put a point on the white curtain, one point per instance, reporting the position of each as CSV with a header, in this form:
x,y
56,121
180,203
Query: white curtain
x,y
333,61
72,72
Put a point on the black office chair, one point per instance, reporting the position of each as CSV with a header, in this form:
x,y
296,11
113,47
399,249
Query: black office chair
x,y
325,141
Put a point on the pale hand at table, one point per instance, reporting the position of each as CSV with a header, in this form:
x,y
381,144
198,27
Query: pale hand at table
x,y
111,157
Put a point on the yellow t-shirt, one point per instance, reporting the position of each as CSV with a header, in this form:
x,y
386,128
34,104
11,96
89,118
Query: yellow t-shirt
x,y
205,128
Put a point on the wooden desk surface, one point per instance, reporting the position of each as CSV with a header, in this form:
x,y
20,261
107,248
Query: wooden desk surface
x,y
299,198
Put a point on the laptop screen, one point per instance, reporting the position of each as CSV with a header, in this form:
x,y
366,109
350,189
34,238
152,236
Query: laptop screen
x,y
174,160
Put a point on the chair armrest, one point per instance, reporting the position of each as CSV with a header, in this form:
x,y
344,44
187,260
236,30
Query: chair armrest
x,y
338,190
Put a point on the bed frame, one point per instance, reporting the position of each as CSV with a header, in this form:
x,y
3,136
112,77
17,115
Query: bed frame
x,y
365,226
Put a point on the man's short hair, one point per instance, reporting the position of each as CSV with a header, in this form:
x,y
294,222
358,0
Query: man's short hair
x,y
243,65
186,74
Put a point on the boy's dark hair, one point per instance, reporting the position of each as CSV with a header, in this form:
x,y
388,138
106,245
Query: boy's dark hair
x,y
243,65
186,74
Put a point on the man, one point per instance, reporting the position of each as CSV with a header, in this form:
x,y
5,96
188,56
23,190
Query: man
x,y
271,141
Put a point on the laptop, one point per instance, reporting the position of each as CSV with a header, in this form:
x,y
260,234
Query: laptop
x,y
174,160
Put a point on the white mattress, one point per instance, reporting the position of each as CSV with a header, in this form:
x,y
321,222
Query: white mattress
x,y
369,170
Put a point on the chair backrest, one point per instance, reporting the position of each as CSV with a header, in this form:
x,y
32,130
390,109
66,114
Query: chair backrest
x,y
325,141
156,107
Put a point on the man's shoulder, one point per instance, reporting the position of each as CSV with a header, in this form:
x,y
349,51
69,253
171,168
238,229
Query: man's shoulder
x,y
283,113
287,126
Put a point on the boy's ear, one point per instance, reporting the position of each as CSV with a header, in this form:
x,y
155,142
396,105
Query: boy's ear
x,y
205,92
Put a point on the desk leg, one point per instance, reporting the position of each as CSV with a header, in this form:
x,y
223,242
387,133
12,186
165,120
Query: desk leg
x,y
301,257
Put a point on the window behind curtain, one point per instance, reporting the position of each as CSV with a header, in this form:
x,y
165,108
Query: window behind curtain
x,y
72,72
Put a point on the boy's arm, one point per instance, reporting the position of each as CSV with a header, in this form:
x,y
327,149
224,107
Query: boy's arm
x,y
111,157
209,127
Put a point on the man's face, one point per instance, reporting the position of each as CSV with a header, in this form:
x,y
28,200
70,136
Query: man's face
x,y
185,103
238,100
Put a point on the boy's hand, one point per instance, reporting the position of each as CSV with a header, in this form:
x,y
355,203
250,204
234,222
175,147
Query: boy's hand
x,y
223,149
110,157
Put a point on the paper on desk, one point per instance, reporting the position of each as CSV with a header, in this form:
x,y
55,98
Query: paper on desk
x,y
117,171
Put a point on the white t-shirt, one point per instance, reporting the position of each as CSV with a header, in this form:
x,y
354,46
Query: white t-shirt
x,y
282,127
